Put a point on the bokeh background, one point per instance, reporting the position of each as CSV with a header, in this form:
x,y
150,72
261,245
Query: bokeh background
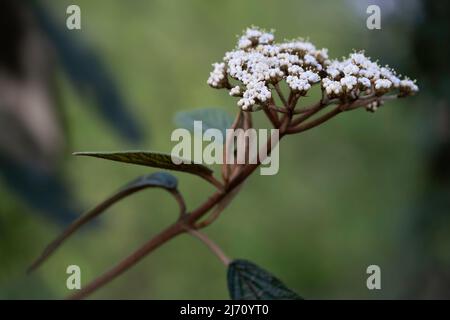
x,y
362,189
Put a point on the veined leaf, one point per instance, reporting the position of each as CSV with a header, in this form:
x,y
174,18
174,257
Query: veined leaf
x,y
211,118
158,179
151,159
247,281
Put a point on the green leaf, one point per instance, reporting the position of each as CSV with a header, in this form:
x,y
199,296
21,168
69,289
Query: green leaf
x,y
211,118
247,281
158,179
151,159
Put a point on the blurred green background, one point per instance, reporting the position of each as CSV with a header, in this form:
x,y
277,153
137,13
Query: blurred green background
x,y
356,191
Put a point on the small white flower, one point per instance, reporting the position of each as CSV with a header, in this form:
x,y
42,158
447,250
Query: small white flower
x,y
332,88
373,106
235,91
295,69
348,82
253,33
312,77
408,86
389,74
244,43
268,50
359,58
297,84
333,72
287,59
217,78
322,55
382,84
365,82
311,61
350,69
246,103
266,38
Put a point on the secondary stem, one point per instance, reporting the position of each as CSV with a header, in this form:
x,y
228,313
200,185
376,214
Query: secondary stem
x,y
211,245
125,264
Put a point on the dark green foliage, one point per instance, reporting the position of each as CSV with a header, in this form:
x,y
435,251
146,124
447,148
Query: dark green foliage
x,y
157,179
150,159
247,281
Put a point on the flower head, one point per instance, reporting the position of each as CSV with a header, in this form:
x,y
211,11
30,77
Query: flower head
x,y
371,77
257,64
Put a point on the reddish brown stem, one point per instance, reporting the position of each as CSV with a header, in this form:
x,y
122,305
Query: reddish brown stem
x,y
281,95
276,109
134,258
92,214
211,245
271,114
314,123
226,166
307,114
340,108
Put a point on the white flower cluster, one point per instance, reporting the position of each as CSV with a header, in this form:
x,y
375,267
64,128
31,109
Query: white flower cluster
x,y
217,78
358,75
258,63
